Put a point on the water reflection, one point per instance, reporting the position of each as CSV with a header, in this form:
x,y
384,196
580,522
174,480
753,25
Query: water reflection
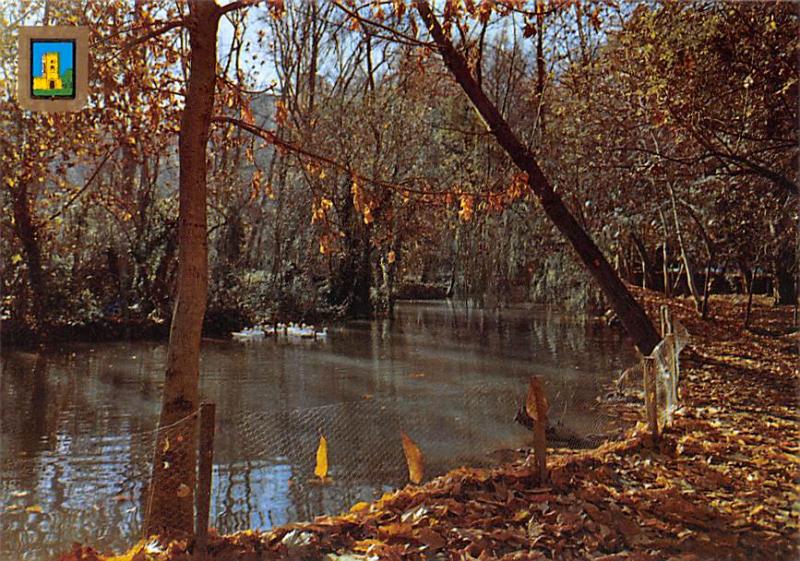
x,y
76,420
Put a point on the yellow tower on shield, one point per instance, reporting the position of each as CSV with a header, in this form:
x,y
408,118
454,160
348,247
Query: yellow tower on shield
x,y
50,78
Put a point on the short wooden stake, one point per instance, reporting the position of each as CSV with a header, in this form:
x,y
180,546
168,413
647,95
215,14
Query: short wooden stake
x,y
540,448
671,344
204,469
537,408
651,405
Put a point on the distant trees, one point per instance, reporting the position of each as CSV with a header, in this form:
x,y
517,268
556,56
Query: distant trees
x,y
669,134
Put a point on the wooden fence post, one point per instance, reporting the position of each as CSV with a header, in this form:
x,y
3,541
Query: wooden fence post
x,y
204,469
651,405
537,407
676,364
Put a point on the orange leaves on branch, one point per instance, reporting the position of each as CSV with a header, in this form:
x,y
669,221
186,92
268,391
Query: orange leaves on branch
x,y
368,218
414,459
518,187
360,202
255,183
326,242
485,10
281,113
399,7
467,208
277,8
319,209
247,114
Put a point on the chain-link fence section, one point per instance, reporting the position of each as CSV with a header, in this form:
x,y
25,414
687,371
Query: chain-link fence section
x,y
276,484
263,472
666,357
658,375
169,508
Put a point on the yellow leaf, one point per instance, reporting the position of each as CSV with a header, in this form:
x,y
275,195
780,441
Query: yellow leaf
x,y
536,404
36,509
395,529
16,258
362,546
414,459
321,469
467,206
359,507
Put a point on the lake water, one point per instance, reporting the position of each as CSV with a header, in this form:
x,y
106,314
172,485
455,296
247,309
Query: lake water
x,y
77,421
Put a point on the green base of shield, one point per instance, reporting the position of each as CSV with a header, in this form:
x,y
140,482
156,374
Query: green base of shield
x,y
64,92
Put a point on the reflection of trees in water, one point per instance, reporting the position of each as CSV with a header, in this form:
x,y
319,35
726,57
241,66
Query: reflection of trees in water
x,y
69,416
65,444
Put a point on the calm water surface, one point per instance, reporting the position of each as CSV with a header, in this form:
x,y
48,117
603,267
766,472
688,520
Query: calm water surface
x,y
77,421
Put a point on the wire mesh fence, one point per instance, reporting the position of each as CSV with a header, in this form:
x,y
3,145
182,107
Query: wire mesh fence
x,y
661,370
263,473
169,502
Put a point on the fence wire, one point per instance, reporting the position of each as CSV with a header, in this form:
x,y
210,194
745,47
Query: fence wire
x,y
666,357
667,361
263,471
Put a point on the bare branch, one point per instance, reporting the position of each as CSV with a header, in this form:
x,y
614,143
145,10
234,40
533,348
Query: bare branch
x,y
238,5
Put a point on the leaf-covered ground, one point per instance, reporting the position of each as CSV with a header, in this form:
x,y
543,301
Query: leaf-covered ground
x,y
722,484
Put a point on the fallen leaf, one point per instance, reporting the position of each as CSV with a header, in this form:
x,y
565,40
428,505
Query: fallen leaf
x,y
321,469
414,459
395,529
430,537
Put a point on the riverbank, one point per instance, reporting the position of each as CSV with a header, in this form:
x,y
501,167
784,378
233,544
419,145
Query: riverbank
x,y
721,485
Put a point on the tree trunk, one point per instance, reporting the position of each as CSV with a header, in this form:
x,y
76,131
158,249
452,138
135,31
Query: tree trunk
x,y
540,62
665,255
786,291
171,507
707,285
748,277
684,256
27,232
648,271
632,315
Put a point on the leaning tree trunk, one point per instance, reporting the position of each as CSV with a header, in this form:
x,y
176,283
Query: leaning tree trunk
x,y
631,314
171,505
